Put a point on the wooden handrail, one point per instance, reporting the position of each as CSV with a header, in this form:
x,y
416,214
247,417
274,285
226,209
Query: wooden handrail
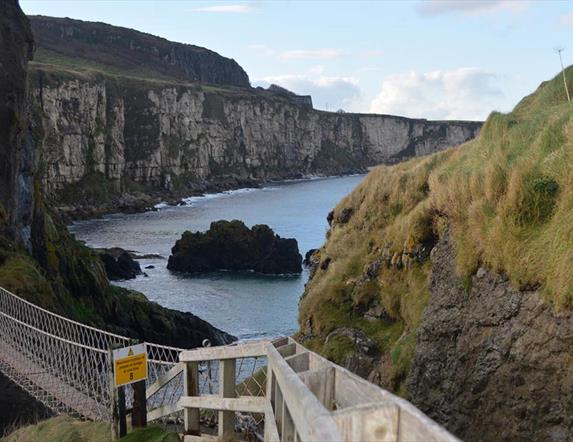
x,y
248,350
246,404
164,380
307,398
312,421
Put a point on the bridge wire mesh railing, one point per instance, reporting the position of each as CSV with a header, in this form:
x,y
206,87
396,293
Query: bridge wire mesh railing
x,y
66,365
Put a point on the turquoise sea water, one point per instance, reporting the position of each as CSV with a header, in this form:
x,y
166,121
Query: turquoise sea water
x,y
244,304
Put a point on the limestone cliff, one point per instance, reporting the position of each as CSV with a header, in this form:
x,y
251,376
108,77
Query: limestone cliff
x,y
124,117
168,134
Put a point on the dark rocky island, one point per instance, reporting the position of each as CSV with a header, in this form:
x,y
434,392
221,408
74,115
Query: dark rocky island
x,y
230,245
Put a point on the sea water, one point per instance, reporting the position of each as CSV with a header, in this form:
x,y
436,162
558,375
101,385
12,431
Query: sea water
x,y
246,305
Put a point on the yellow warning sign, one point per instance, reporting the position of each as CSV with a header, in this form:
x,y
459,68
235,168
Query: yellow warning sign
x,y
130,364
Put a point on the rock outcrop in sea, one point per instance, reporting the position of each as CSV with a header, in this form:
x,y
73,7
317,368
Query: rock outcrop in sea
x,y
231,245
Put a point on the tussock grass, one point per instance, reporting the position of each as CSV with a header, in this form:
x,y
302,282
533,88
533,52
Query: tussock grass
x,y
507,198
62,429
67,429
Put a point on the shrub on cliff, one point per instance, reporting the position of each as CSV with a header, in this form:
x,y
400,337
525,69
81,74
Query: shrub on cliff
x,y
230,245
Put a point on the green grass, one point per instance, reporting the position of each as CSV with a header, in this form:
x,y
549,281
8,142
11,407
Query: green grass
x,y
507,198
54,68
67,429
52,61
62,429
338,348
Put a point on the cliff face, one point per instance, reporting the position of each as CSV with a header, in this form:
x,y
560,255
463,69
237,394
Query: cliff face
x,y
126,49
162,134
119,107
492,354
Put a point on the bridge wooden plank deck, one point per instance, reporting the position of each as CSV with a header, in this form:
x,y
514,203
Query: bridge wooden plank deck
x,y
52,385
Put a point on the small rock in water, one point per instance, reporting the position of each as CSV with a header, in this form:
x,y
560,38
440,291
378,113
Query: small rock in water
x,y
150,267
308,256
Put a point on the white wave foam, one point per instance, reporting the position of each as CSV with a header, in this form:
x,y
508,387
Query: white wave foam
x,y
226,194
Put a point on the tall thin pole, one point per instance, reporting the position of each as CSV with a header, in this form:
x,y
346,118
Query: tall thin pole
x,y
559,50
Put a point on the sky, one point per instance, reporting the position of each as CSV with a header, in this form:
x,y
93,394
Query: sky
x,y
435,59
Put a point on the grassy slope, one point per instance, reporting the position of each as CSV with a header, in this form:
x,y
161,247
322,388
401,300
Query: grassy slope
x,y
66,429
61,67
508,199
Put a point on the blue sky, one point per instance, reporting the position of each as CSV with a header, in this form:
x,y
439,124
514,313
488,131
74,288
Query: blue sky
x,y
437,59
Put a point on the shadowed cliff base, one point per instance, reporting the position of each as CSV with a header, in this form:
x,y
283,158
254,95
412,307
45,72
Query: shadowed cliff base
x,y
17,408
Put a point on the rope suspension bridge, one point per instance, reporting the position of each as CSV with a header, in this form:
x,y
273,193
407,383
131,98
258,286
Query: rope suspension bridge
x,y
263,390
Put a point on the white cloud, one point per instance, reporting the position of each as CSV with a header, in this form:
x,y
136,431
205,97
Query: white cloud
x,y
234,9
312,54
327,92
465,93
369,69
469,7
317,69
566,20
372,54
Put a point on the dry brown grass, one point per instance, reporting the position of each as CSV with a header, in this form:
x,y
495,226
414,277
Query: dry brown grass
x,y
507,197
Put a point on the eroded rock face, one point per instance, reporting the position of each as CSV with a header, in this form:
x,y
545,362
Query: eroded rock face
x,y
119,264
16,150
365,351
230,245
492,363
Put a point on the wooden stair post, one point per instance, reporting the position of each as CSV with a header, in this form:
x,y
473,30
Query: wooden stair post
x,y
139,409
227,390
191,388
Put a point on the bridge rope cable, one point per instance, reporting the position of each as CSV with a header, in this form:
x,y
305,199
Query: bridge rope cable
x,y
66,365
